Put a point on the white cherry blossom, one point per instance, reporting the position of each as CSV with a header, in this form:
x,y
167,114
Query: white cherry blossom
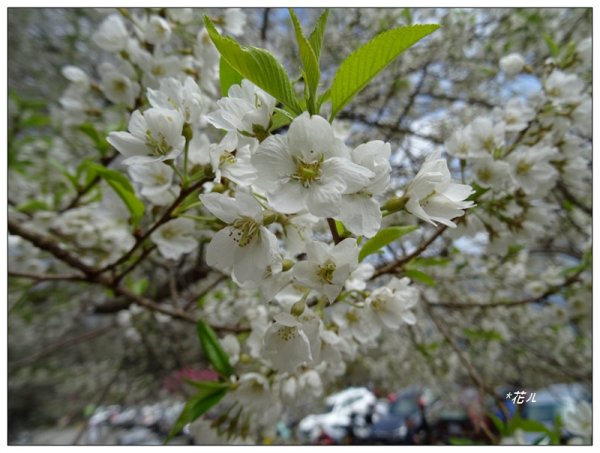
x,y
307,169
327,267
390,305
433,197
244,246
175,238
286,345
155,135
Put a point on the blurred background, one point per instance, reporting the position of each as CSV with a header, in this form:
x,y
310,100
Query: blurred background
x,y
87,368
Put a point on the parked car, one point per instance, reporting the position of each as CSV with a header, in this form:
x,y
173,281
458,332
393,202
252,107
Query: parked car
x,y
406,420
338,417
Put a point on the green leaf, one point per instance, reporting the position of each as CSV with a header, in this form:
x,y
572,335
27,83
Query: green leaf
x,y
429,261
553,48
310,62
213,350
499,424
257,65
121,185
208,387
317,35
279,120
36,120
63,171
194,408
419,276
370,59
33,205
139,286
97,138
383,238
228,76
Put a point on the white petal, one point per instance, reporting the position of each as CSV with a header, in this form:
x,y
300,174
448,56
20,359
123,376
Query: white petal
x,y
360,214
310,133
223,207
220,253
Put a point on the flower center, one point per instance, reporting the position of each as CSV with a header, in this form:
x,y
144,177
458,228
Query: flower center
x,y
484,174
523,167
378,304
352,317
307,172
287,333
227,158
326,271
246,229
160,146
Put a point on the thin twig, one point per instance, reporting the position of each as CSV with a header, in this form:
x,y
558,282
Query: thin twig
x,y
46,277
61,344
528,300
396,265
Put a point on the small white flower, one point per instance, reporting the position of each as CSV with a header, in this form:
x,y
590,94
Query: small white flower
x,y
285,344
232,161
246,109
578,420
153,136
486,136
253,392
530,169
118,84
433,197
563,88
184,97
235,20
359,211
175,238
157,30
517,115
358,278
491,173
112,35
78,78
244,246
307,169
355,323
155,179
390,305
512,64
327,267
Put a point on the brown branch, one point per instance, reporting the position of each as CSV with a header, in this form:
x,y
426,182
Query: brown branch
x,y
396,265
528,300
46,277
571,198
471,371
51,246
167,215
90,185
61,344
334,232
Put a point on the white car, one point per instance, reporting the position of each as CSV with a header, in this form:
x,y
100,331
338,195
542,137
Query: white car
x,y
337,417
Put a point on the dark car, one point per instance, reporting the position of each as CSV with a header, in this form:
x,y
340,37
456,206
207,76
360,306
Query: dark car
x,y
406,422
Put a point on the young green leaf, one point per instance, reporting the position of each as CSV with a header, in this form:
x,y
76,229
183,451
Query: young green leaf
x,y
121,185
419,276
370,59
198,405
257,65
383,238
317,35
309,62
228,76
213,350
